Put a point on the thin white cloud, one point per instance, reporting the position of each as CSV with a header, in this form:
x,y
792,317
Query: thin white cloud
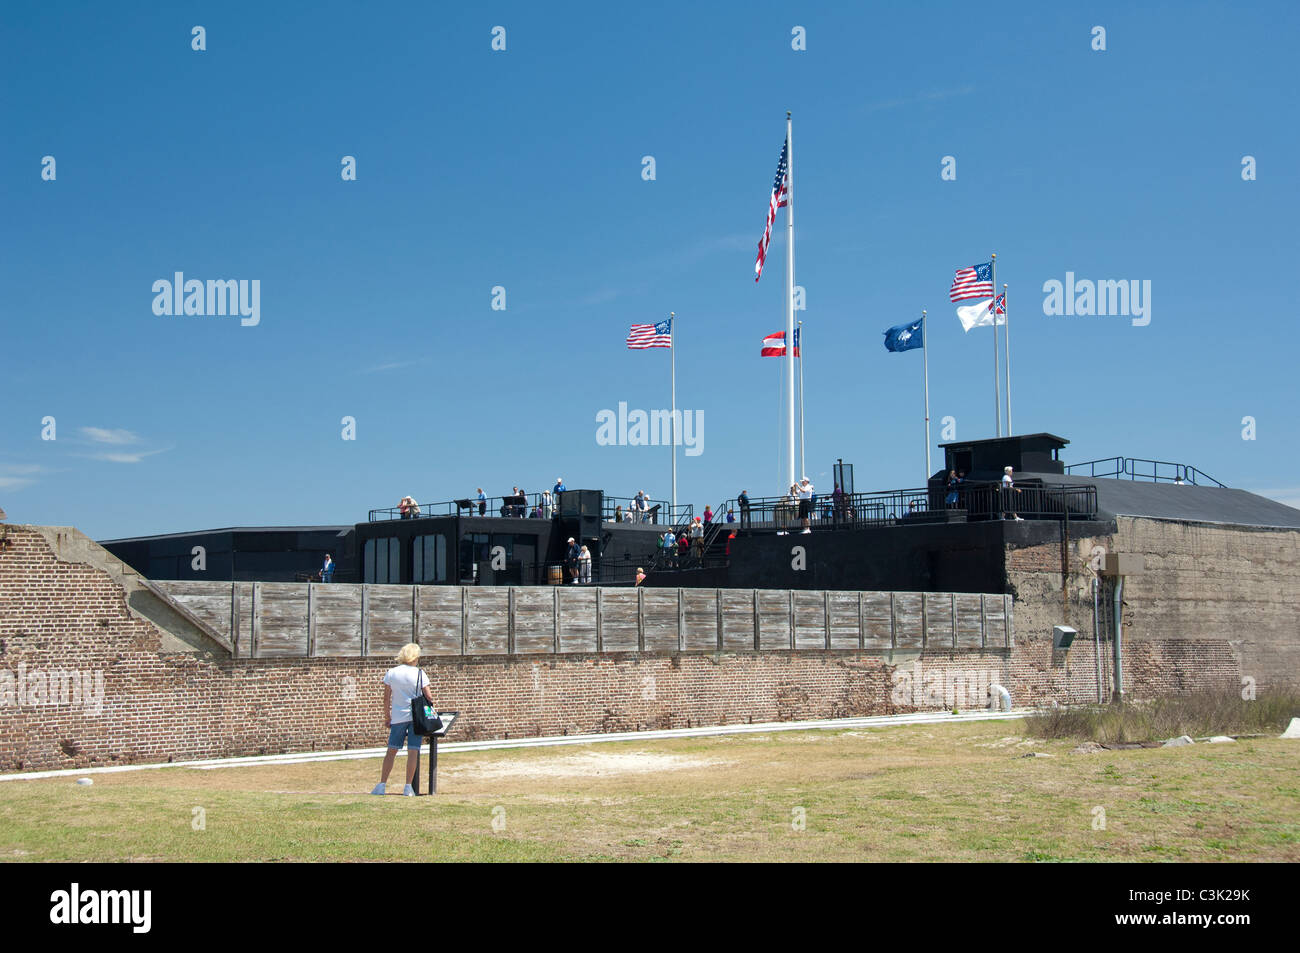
x,y
16,476
926,97
604,296
124,457
380,368
1289,496
105,435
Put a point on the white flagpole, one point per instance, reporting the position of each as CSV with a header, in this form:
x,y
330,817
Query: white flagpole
x,y
1006,307
803,464
925,363
789,287
672,346
997,374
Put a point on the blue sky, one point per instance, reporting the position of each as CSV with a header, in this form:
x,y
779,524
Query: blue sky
x,y
522,169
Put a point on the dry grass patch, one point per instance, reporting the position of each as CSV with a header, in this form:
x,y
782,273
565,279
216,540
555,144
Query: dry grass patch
x,y
952,792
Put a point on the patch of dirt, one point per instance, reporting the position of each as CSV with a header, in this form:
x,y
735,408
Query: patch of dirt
x,y
1008,742
586,765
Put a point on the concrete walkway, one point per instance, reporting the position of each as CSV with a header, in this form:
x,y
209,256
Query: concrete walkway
x,y
452,747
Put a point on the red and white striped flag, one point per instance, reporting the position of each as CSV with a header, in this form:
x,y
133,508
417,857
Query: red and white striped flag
x,y
774,344
780,195
643,336
973,282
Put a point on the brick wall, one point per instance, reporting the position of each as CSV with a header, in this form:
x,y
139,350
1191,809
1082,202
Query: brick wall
x,y
159,705
1208,593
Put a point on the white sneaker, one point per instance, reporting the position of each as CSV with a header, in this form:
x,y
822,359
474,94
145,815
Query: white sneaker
x,y
805,531
379,789
781,532
408,791
1020,519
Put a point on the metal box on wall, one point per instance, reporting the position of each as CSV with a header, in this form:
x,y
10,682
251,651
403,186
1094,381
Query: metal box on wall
x,y
1124,564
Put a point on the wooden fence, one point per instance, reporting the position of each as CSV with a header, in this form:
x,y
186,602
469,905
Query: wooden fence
x,y
265,619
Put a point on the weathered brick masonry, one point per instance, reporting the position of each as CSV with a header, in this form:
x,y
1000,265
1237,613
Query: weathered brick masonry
x,y
159,705
1215,602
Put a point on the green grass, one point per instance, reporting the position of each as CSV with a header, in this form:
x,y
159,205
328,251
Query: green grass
x,y
959,792
1198,715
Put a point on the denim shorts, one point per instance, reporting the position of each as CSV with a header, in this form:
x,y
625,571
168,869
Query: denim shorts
x,y
404,731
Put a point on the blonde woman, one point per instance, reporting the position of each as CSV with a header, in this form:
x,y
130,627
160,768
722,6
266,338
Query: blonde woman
x,y
584,566
403,683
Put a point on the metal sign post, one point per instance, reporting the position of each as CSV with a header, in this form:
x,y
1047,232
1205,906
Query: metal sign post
x,y
448,719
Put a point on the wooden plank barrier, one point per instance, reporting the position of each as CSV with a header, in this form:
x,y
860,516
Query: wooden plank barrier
x,y
264,620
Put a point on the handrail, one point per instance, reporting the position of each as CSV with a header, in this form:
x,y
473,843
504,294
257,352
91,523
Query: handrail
x,y
1126,466
611,503
1118,463
537,504
494,506
977,500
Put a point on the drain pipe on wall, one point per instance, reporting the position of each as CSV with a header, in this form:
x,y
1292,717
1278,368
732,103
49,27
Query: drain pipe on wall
x,y
1119,565
1096,634
1119,631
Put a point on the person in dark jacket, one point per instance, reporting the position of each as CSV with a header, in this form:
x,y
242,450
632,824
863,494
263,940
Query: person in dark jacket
x,y
954,489
571,559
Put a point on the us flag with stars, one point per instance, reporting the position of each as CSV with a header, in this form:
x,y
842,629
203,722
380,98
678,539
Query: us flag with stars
x,y
651,335
973,282
780,196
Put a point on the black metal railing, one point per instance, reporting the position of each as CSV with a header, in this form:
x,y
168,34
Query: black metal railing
x,y
604,571
534,505
975,501
628,509
337,576
1139,468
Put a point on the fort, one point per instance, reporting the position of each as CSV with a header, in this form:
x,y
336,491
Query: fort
x,y
1118,582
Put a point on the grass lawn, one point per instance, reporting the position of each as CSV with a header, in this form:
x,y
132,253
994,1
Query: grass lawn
x,y
960,792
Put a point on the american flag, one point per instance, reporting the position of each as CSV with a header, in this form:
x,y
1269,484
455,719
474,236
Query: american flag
x,y
643,336
973,282
774,344
780,197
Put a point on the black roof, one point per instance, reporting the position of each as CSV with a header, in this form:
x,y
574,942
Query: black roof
x,y
1020,436
1170,501
234,529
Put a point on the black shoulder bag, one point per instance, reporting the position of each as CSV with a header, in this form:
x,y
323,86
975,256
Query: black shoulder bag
x,y
424,719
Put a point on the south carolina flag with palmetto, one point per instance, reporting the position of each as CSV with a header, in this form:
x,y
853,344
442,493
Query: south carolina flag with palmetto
x,y
981,315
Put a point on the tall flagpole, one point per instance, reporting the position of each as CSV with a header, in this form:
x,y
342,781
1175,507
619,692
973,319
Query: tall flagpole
x,y
925,363
672,346
997,374
798,337
1006,309
789,286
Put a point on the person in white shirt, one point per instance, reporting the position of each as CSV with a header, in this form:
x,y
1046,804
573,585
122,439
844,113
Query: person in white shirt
x,y
697,539
805,503
584,566
403,683
1008,487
